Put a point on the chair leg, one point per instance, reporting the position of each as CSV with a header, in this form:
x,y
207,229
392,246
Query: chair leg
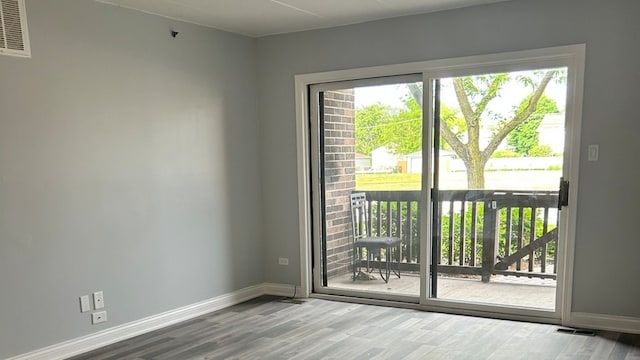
x,y
354,260
357,262
385,276
399,260
389,258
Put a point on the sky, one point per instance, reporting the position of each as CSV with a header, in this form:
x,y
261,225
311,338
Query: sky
x,y
394,95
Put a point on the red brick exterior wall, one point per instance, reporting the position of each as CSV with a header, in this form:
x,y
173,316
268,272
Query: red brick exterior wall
x,y
340,177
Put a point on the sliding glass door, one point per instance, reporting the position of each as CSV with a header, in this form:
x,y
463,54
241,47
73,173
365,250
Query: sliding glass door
x,y
367,140
447,187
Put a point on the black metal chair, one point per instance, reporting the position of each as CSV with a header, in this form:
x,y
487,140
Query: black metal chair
x,y
373,245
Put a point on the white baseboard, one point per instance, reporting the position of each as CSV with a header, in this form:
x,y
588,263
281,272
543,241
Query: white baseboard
x,y
625,324
281,289
138,327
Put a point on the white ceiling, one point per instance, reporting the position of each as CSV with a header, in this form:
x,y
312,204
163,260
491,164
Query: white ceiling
x,y
266,17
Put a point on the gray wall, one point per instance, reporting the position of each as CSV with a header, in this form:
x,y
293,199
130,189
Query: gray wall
x,y
128,164
607,242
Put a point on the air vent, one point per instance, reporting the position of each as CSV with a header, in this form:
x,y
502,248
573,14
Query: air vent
x,y
14,39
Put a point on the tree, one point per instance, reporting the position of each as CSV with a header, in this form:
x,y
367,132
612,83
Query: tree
x,y
399,129
370,127
525,137
474,94
404,135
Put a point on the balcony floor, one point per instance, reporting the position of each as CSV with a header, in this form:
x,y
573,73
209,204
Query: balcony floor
x,y
501,290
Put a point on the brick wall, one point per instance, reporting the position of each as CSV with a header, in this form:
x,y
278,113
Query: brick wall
x,y
340,177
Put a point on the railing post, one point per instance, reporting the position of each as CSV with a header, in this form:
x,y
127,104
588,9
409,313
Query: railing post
x,y
490,232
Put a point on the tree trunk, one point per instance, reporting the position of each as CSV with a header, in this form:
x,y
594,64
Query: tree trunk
x,y
475,174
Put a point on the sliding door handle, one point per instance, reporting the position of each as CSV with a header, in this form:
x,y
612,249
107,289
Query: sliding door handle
x,y
563,193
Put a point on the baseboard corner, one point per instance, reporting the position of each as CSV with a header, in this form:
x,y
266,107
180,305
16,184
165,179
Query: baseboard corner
x,y
288,290
625,324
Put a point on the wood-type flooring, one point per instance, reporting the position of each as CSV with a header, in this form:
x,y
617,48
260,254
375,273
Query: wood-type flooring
x,y
266,328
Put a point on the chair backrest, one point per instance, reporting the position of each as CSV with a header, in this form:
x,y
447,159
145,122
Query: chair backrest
x,y
359,222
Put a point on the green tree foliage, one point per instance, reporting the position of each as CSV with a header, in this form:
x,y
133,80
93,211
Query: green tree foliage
x,y
525,136
407,135
541,151
505,154
398,129
371,122
474,94
405,132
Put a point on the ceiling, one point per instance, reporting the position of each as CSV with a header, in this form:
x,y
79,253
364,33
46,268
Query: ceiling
x,y
267,17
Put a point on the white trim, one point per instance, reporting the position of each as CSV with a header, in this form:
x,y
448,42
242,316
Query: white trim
x,y
304,202
369,295
315,185
625,324
508,61
286,290
575,90
491,310
425,210
529,317
122,332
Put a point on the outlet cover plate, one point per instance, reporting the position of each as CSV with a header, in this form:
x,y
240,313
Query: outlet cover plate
x,y
85,305
98,317
594,152
98,300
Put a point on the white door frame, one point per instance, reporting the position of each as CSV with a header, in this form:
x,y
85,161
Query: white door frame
x,y
571,56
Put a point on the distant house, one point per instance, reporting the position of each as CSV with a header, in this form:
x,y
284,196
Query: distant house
x,y
383,160
414,161
551,132
363,162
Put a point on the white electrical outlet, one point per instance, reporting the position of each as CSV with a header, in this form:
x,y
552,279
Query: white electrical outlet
x,y
85,305
98,317
98,300
283,261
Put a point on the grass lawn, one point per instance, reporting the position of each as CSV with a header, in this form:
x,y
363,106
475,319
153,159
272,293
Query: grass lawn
x,y
504,180
368,182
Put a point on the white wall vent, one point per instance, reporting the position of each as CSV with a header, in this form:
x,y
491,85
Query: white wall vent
x,y
14,38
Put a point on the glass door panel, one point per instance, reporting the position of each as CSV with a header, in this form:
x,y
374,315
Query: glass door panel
x,y
498,156
367,137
